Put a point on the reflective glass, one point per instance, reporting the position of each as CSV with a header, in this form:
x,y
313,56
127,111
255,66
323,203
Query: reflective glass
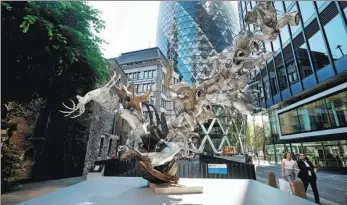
x,y
318,52
335,32
302,58
294,29
276,44
273,122
337,108
314,116
345,11
285,34
191,21
289,122
288,3
320,3
279,6
266,124
307,9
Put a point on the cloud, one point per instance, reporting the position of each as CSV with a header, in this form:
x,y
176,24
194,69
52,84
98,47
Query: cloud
x,y
129,25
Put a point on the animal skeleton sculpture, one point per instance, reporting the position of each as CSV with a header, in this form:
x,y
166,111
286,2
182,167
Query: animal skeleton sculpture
x,y
157,145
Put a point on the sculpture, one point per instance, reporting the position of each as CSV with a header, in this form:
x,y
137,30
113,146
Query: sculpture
x,y
157,144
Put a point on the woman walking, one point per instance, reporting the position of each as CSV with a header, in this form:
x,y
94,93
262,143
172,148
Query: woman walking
x,y
288,173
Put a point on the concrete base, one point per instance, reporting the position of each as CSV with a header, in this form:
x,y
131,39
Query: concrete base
x,y
134,190
175,189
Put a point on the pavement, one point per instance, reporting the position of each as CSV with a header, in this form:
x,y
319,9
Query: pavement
x,y
33,190
332,186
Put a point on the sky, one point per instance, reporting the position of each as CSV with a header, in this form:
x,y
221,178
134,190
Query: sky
x,y
129,25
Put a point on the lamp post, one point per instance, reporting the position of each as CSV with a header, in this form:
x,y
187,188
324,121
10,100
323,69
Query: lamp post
x,y
339,47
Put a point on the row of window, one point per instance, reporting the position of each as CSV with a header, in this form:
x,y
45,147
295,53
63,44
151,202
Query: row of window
x,y
302,57
149,74
326,113
141,88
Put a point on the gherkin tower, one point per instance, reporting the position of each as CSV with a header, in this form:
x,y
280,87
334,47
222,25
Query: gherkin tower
x,y
189,33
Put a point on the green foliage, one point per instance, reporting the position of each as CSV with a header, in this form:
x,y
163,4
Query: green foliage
x,y
50,45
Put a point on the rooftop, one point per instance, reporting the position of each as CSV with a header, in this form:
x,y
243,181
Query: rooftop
x,y
140,55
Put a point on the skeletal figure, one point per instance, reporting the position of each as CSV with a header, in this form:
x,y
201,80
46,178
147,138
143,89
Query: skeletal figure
x,y
100,95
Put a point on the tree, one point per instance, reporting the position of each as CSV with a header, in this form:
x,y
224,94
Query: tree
x,y
51,51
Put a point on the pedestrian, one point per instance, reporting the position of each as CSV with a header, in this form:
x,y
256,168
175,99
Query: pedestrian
x,y
308,176
288,173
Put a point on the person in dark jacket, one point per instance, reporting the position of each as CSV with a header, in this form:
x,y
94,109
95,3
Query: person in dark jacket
x,y
307,175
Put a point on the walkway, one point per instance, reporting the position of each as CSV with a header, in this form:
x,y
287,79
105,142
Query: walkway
x,y
33,190
332,187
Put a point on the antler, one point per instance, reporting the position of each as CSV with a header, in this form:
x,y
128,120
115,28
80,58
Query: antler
x,y
73,109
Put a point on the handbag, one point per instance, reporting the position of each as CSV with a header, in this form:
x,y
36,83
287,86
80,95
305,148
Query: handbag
x,y
284,185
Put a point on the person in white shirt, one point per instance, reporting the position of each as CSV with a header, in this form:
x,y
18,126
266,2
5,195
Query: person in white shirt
x,y
288,173
308,176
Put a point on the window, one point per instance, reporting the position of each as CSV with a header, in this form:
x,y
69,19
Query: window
x,y
319,3
288,3
337,109
301,53
109,147
130,76
314,116
307,9
145,74
140,88
318,51
273,122
266,124
294,29
285,34
150,74
335,32
281,72
289,122
101,146
321,114
279,6
276,44
137,88
144,87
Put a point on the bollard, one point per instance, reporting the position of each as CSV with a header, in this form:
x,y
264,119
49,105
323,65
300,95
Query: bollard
x,y
271,178
299,188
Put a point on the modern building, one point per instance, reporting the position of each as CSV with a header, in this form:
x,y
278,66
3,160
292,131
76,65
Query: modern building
x,y
147,67
189,32
304,86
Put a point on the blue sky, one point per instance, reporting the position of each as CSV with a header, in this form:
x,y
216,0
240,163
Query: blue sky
x,y
130,25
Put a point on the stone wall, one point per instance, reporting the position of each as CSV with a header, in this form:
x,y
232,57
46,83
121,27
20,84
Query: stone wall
x,y
101,124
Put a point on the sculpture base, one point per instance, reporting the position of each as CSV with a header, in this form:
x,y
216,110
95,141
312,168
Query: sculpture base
x,y
174,189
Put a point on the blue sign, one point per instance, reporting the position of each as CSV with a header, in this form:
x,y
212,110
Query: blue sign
x,y
217,169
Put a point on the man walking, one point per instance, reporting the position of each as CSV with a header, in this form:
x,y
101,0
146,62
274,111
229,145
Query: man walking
x,y
307,175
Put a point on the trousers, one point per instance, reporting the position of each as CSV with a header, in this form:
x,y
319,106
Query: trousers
x,y
313,182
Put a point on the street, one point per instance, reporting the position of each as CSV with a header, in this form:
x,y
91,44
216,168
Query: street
x,y
331,186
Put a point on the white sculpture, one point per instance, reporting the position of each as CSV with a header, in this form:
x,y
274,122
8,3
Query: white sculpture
x,y
100,95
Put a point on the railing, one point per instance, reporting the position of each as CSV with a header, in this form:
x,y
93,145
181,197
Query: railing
x,y
192,168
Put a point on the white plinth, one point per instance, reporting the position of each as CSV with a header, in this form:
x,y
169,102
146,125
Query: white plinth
x,y
135,191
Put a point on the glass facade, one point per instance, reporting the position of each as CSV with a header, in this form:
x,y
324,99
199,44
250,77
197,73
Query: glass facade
x,y
321,114
306,55
189,33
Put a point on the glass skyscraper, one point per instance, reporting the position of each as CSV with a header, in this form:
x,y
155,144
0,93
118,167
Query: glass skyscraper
x,y
304,86
189,33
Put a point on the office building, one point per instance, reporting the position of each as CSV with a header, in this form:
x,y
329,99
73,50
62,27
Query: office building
x,y
303,88
147,67
189,33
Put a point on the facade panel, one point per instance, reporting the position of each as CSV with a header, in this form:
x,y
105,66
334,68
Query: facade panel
x,y
189,33
305,81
